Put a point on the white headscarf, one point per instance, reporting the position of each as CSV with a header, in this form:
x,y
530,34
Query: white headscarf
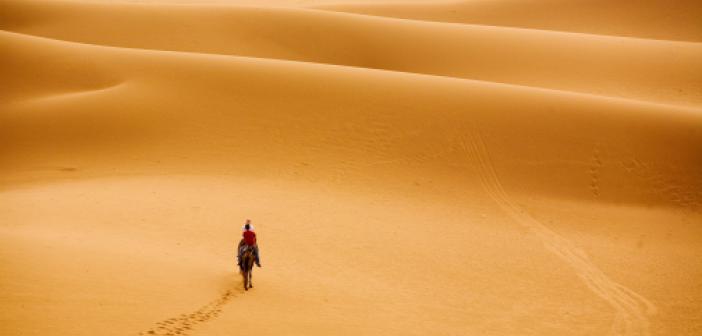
x,y
251,227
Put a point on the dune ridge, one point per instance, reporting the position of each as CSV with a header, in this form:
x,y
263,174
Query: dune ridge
x,y
651,19
553,165
472,52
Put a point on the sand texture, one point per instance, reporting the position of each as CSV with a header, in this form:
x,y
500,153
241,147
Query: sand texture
x,y
486,167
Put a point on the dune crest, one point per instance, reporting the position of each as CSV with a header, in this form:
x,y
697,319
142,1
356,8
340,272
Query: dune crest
x,y
484,53
651,19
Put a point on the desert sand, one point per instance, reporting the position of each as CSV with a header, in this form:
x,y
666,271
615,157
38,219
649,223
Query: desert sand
x,y
411,168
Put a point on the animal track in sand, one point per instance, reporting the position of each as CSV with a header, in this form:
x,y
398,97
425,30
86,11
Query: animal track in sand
x,y
631,309
595,172
181,325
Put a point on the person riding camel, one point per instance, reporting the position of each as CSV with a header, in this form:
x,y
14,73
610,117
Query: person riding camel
x,y
248,240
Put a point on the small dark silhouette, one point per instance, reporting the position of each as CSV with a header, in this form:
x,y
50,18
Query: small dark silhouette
x,y
246,266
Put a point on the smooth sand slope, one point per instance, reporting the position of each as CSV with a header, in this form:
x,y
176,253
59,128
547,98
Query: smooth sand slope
x,y
405,177
653,70
653,19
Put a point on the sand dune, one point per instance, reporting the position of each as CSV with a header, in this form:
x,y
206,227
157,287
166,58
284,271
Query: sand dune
x,y
657,71
405,176
652,19
345,138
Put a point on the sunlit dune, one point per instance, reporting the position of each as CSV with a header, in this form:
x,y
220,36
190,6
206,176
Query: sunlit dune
x,y
411,168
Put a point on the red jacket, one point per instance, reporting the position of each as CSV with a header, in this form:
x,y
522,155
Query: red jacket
x,y
250,238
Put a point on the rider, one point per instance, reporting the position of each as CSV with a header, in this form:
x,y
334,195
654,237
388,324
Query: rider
x,y
248,239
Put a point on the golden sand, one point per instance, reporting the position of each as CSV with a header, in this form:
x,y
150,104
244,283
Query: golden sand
x,y
412,168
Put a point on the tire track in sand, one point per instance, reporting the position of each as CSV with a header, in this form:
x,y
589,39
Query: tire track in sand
x,y
183,324
631,309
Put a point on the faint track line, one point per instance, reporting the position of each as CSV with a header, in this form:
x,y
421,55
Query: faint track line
x,y
631,309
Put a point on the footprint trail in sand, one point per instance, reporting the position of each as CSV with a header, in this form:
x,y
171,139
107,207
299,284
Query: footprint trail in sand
x,y
185,323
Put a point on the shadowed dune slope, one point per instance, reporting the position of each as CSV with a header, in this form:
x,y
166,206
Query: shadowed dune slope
x,y
652,19
649,70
